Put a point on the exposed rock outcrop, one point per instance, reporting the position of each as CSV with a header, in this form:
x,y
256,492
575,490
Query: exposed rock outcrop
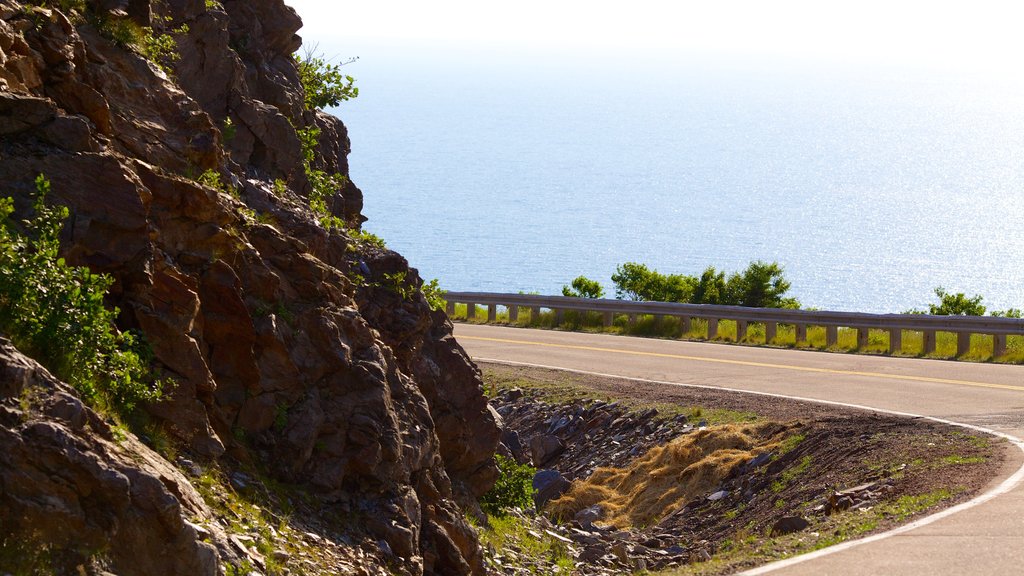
x,y
306,351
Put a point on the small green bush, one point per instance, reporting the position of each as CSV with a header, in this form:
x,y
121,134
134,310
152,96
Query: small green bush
x,y
434,294
760,285
957,304
55,313
583,287
514,488
323,83
322,185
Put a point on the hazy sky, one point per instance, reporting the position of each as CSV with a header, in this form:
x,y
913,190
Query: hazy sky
x,y
978,35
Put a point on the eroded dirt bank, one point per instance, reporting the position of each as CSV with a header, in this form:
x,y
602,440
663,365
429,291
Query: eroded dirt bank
x,y
640,476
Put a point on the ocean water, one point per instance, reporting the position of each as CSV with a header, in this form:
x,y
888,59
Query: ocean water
x,y
513,172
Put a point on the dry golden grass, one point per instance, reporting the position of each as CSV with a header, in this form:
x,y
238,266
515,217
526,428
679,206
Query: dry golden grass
x,y
668,476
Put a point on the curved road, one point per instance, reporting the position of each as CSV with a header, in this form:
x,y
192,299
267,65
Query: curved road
x,y
987,538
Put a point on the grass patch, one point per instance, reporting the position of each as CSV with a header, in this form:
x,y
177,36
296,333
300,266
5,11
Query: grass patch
x,y
957,460
790,474
515,531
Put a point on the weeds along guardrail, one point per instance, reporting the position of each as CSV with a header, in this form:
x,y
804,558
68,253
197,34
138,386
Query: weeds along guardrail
x,y
962,327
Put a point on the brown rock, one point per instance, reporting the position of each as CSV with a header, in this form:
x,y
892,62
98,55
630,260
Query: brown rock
x,y
788,525
545,448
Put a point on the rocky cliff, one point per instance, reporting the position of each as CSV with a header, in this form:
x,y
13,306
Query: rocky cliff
x,y
303,352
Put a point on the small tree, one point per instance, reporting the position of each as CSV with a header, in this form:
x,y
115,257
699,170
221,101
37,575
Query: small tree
x,y
583,287
711,288
324,84
956,304
761,285
635,281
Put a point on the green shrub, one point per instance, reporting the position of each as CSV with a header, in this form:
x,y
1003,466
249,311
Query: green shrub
x,y
583,287
55,313
760,285
322,185
434,294
634,281
956,304
514,488
323,83
161,48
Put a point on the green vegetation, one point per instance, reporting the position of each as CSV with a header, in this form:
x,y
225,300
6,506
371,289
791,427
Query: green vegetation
x,y
67,6
159,47
162,48
789,444
55,313
791,473
583,287
211,178
512,531
367,238
21,556
959,304
322,185
514,488
323,83
760,285
434,294
957,460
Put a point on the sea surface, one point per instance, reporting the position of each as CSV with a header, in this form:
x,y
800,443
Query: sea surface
x,y
518,172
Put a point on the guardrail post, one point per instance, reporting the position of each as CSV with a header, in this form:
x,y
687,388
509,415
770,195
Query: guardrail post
x,y
895,340
632,319
998,345
535,314
712,328
559,316
470,310
741,330
609,319
770,331
801,333
862,338
831,336
687,324
513,313
492,312
929,341
963,343
449,308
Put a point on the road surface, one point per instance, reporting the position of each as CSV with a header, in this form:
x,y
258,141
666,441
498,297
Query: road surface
x,y
985,537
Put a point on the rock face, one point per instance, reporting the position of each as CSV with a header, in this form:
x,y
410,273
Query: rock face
x,y
310,352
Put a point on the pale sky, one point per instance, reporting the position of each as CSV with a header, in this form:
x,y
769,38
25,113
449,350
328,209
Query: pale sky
x,y
982,36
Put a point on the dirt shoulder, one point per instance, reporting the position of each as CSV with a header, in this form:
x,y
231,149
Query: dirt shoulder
x,y
740,479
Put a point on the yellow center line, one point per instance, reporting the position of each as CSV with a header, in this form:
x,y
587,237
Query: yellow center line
x,y
749,363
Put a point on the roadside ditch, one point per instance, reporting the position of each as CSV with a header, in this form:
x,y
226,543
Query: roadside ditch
x,y
642,478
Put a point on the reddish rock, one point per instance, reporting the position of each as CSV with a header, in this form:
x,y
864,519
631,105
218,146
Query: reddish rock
x,y
357,392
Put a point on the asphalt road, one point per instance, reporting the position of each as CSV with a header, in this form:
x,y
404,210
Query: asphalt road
x,y
984,537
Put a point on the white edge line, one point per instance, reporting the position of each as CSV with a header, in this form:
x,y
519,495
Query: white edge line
x,y
1005,486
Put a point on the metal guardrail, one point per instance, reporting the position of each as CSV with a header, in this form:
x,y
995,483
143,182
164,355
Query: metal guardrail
x,y
895,324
